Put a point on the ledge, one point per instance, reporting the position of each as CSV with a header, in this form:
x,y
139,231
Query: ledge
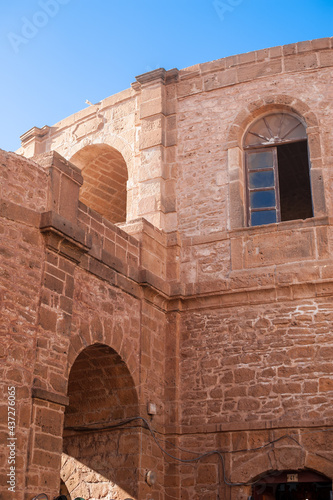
x,y
199,296
51,397
287,423
282,226
64,237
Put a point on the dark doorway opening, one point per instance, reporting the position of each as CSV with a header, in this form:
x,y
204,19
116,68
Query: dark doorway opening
x,y
294,181
304,485
100,458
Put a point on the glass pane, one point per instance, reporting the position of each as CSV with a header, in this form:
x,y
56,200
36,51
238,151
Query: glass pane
x,y
292,128
261,179
274,129
262,199
263,159
297,134
258,134
275,123
264,217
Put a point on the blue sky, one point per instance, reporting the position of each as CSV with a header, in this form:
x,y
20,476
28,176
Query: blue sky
x,y
55,54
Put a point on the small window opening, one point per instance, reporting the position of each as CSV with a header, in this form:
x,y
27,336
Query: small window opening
x,y
278,173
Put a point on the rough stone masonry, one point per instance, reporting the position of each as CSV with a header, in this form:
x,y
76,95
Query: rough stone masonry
x,y
141,311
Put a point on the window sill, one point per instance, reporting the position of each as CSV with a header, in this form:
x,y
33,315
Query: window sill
x,y
282,226
281,243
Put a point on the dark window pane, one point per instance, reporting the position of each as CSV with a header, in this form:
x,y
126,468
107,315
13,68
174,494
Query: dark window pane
x,y
264,217
262,179
263,159
262,199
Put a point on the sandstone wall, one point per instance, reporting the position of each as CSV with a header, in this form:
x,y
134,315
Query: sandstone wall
x,y
218,100
226,328
255,363
255,332
22,260
70,280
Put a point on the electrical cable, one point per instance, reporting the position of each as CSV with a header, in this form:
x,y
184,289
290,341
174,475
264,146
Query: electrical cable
x,y
219,453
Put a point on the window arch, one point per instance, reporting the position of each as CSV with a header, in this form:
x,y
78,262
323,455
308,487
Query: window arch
x,y
277,170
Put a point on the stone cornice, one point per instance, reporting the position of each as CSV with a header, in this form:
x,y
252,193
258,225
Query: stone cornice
x,y
159,75
34,133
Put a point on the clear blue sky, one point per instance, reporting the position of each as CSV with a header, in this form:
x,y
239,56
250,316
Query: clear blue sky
x,y
55,54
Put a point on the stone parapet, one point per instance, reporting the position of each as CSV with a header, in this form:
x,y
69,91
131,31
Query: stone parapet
x,y
250,66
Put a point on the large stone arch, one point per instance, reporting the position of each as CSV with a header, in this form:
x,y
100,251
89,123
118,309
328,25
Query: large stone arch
x,y
125,148
105,177
112,337
234,146
101,452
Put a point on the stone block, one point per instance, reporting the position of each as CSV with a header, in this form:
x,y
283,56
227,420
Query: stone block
x,y
48,319
300,62
219,80
259,69
193,85
151,108
325,59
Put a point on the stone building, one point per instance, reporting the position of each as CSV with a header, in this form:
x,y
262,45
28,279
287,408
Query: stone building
x,y
166,288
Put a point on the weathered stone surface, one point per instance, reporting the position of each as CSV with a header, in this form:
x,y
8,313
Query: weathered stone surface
x,y
145,286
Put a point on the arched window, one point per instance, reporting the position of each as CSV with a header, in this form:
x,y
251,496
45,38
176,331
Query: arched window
x,y
277,170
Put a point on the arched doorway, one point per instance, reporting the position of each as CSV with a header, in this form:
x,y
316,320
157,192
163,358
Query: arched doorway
x,y
105,177
292,485
101,454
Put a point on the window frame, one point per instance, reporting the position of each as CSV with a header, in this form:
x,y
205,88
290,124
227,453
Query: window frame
x,y
235,148
255,148
276,188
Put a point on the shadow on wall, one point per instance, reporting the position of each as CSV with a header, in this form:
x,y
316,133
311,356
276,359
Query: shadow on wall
x,y
105,177
99,461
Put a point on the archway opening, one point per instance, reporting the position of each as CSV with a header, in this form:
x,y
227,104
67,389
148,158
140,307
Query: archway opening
x,y
292,485
105,177
101,454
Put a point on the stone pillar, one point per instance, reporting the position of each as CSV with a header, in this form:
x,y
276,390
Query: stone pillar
x,y
157,176
33,142
65,243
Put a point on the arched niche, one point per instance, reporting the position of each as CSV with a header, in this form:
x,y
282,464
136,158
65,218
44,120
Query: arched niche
x,y
105,176
100,452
